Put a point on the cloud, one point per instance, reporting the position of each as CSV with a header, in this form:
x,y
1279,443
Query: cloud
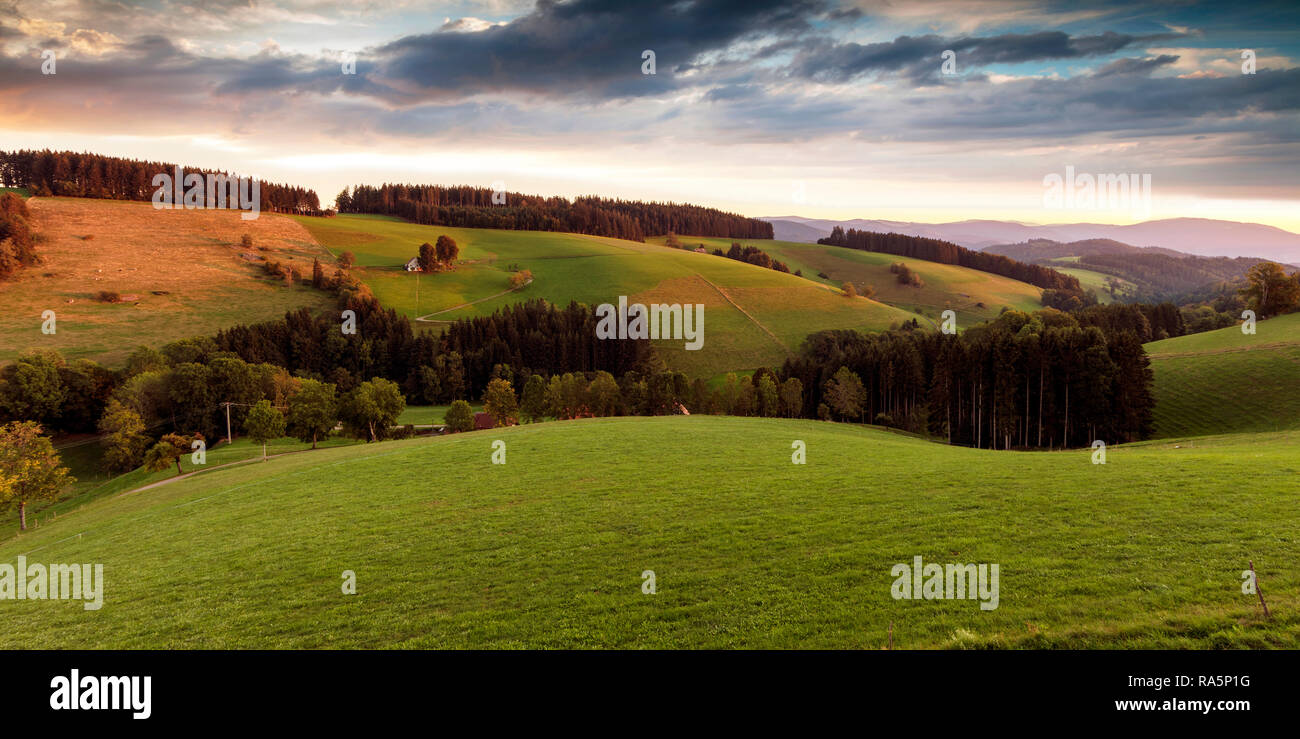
x,y
586,48
918,57
1129,66
467,25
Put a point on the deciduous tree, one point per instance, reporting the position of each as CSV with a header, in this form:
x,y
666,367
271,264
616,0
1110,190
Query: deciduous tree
x,y
30,469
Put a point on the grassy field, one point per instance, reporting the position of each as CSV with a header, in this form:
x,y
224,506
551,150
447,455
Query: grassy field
x,y
1225,381
82,458
945,286
22,191
754,317
180,274
548,550
1091,280
429,414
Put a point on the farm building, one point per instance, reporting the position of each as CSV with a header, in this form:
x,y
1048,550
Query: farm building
x,y
413,265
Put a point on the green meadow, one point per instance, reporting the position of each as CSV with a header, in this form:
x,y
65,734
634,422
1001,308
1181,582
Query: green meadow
x,y
1091,280
747,549
83,455
755,317
423,415
973,295
1225,381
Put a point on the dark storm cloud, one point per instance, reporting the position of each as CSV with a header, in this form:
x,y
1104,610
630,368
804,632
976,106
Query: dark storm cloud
x,y
918,57
590,48
1136,66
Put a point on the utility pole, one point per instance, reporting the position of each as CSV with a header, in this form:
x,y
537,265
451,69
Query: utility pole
x,y
229,439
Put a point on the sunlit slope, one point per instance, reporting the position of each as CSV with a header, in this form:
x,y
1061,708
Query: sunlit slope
x,y
1224,381
747,549
975,296
754,317
1092,280
179,273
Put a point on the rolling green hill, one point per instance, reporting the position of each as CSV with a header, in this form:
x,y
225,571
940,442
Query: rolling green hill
x,y
975,296
754,316
549,549
1225,381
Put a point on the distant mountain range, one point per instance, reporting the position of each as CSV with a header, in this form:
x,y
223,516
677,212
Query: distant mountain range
x,y
1201,236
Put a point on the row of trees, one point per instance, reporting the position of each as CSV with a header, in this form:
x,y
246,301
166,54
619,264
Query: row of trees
x,y
86,175
945,252
752,255
481,207
1023,381
599,394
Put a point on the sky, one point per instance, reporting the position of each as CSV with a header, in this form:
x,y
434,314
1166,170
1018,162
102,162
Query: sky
x,y
814,108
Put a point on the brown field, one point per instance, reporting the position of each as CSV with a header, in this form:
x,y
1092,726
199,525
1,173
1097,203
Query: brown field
x,y
179,273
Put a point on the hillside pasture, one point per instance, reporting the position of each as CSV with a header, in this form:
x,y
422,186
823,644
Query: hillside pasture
x,y
1225,381
973,295
754,317
747,549
179,273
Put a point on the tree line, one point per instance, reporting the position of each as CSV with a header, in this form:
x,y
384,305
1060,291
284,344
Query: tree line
x,y
1040,380
87,175
474,207
945,252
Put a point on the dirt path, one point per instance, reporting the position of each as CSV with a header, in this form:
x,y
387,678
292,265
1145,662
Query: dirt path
x,y
426,318
736,305
191,473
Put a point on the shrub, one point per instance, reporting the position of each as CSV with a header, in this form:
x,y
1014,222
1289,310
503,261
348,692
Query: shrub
x,y
460,417
520,278
108,296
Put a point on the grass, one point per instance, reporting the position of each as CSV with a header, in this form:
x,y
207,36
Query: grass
x,y
754,317
21,191
1091,280
1259,373
180,274
748,550
429,414
82,458
946,286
